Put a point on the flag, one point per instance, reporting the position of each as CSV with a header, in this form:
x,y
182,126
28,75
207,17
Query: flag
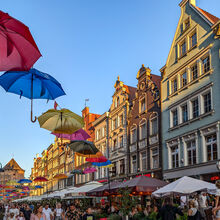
x,y
55,105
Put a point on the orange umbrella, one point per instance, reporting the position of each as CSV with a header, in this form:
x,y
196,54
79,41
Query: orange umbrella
x,y
97,155
60,176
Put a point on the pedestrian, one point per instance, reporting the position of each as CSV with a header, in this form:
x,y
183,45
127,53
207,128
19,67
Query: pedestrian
x,y
21,216
58,212
89,215
216,209
203,203
27,212
11,216
48,212
14,210
193,212
72,213
168,211
38,213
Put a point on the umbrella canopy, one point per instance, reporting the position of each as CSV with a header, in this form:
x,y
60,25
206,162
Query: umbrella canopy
x,y
38,187
61,121
83,147
97,155
183,186
76,172
18,48
99,159
12,183
143,184
22,181
89,170
79,135
108,162
40,179
105,189
31,84
60,176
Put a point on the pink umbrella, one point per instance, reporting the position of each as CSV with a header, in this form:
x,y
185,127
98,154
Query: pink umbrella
x,y
90,170
99,159
79,135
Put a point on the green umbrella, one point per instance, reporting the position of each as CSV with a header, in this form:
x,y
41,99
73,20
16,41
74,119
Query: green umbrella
x,y
83,147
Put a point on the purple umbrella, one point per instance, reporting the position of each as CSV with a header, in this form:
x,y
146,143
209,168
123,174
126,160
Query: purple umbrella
x,y
90,170
79,135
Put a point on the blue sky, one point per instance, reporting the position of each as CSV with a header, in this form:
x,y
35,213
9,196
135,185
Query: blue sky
x,y
85,45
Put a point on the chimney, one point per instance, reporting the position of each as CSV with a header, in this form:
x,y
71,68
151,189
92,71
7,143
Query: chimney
x,y
183,3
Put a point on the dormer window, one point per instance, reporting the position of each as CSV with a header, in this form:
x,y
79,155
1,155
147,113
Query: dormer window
x,y
193,40
183,48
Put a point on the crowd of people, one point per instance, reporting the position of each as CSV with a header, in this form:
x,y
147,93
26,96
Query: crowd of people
x,y
39,212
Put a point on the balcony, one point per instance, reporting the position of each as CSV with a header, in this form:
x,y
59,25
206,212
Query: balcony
x,y
142,144
133,147
153,139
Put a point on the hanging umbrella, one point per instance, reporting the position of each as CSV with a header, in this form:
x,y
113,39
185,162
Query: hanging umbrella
x,y
89,170
108,166
79,135
12,183
31,84
108,162
83,147
18,48
40,179
60,176
97,155
76,172
22,181
99,159
38,187
61,121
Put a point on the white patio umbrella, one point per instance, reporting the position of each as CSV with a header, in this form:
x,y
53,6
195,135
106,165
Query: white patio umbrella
x,y
184,186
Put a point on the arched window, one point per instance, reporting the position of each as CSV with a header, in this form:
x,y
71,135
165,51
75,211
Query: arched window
x,y
143,129
154,123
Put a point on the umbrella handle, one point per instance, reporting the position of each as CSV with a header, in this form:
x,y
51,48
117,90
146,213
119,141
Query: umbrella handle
x,y
35,118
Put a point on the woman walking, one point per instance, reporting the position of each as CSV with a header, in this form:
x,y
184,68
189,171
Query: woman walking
x,y
38,213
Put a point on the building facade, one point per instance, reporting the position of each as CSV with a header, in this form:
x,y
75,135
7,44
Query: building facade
x,y
190,106
144,134
12,171
118,129
101,126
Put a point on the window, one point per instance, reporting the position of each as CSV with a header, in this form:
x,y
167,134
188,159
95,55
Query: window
x,y
175,117
143,105
187,24
183,79
211,146
191,152
121,141
181,28
121,118
133,136
114,169
207,102
206,64
183,49
194,71
114,144
134,164
143,130
174,85
143,161
114,124
118,101
153,124
195,108
175,157
193,40
184,113
122,166
115,104
155,158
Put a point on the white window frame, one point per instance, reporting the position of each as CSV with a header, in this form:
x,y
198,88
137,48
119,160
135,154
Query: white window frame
x,y
154,116
142,122
155,155
134,127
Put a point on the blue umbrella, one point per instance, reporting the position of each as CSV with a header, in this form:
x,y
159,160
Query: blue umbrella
x,y
38,187
31,84
97,164
22,181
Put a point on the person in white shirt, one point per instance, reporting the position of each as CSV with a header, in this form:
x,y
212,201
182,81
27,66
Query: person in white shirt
x,y
58,212
48,212
14,210
202,203
182,201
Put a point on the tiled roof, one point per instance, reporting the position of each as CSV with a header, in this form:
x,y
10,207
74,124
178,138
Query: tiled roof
x,y
12,165
213,19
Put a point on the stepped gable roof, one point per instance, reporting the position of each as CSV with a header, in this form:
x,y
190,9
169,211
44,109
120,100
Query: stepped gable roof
x,y
213,19
12,165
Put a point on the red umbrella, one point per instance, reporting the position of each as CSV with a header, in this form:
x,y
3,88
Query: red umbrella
x,y
98,160
40,179
18,48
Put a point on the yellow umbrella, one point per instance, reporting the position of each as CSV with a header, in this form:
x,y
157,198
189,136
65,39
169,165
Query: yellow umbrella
x,y
61,121
60,176
97,155
108,166
12,183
